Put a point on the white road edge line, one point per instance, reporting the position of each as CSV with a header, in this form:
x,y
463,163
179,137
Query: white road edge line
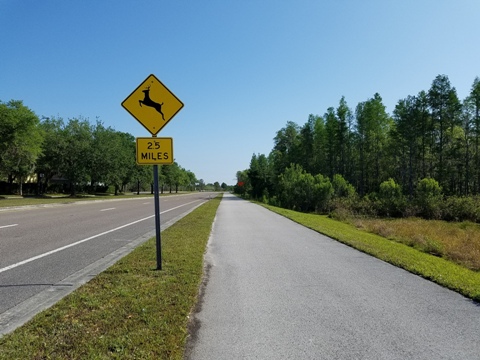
x,y
7,226
26,261
108,209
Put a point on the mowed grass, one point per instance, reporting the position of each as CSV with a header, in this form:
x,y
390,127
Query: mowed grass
x,y
397,245
131,310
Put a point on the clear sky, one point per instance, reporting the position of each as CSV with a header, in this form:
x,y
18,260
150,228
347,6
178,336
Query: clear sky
x,y
243,68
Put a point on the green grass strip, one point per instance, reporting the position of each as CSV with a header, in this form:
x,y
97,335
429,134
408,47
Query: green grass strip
x,y
441,271
131,310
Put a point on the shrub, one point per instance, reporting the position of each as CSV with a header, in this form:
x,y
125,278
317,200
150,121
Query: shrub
x,y
274,201
301,191
461,208
323,191
265,196
341,209
366,205
429,198
342,188
288,193
391,201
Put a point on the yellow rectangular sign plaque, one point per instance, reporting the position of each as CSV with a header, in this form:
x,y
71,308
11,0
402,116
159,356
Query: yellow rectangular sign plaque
x,y
154,151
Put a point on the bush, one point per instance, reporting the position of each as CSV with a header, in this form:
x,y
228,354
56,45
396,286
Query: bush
x,y
274,201
341,209
391,201
366,205
342,188
323,191
301,191
287,194
429,198
461,208
265,196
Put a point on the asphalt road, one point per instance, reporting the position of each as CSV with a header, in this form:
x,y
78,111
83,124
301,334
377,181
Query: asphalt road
x,y
277,290
48,251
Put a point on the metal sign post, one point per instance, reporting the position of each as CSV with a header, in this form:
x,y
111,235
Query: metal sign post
x,y
157,217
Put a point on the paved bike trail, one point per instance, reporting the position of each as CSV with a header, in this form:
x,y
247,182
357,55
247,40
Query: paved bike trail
x,y
277,290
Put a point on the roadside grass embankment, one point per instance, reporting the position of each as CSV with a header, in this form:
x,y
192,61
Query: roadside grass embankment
x,y
409,245
131,310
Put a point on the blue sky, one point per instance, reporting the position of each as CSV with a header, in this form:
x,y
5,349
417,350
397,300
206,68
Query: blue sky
x,y
242,68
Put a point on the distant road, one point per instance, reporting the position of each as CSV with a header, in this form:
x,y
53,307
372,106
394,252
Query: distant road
x,y
46,251
277,290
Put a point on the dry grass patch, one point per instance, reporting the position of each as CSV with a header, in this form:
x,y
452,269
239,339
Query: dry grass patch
x,y
458,242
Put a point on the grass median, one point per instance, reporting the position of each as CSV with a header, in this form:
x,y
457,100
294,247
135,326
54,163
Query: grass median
x,y
14,201
131,310
440,270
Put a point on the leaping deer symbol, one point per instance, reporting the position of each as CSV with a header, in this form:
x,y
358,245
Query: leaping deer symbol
x,y
149,102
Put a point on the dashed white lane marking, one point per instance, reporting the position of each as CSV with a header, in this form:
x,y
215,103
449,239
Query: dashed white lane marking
x,y
7,226
26,261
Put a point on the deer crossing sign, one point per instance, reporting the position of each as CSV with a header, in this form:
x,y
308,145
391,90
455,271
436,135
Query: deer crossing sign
x,y
152,104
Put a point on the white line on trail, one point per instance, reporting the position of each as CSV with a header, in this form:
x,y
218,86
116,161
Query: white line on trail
x,y
26,261
108,209
7,226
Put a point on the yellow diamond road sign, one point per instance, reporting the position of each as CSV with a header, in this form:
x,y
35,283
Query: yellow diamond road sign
x,y
154,151
152,104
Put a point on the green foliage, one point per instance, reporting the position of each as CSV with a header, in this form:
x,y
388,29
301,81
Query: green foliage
x,y
201,184
373,125
445,111
143,176
430,135
290,192
302,191
191,180
429,198
242,187
286,147
260,175
342,188
112,158
20,141
343,198
461,208
49,161
390,198
76,154
429,188
73,153
323,191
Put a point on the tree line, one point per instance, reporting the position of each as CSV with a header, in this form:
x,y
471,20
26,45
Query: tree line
x,y
427,150
75,155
